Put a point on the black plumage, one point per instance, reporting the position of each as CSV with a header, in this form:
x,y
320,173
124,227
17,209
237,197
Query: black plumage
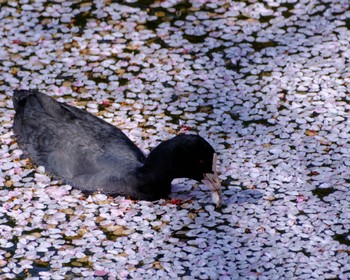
x,y
92,155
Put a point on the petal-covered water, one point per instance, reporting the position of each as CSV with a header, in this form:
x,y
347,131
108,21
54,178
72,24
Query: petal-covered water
x,y
265,82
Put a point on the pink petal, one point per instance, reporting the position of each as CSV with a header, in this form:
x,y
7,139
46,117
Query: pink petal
x,y
101,272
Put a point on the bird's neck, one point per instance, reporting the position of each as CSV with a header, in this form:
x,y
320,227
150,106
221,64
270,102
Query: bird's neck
x,y
157,173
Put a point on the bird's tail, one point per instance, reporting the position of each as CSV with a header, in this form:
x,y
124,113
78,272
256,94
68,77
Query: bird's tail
x,y
20,96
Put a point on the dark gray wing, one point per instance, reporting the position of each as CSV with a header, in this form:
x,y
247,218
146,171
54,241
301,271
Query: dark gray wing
x,y
74,145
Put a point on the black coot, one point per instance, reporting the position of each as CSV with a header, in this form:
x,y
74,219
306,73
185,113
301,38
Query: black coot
x,y
92,155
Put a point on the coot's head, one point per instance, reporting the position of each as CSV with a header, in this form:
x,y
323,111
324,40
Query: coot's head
x,y
196,159
184,156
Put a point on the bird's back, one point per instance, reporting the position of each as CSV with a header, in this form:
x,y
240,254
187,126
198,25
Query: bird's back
x,y
74,145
